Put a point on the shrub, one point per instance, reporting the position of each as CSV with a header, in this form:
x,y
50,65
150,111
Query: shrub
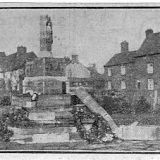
x,y
142,106
5,133
116,105
6,101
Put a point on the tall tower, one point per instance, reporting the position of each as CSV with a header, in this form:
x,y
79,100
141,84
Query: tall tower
x,y
46,37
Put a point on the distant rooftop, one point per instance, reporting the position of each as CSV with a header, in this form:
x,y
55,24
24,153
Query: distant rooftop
x,y
150,46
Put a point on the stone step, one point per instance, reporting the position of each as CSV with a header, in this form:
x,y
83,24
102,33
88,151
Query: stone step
x,y
44,135
40,138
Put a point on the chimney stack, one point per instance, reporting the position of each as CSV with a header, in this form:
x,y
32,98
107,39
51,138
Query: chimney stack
x,y
149,32
124,46
21,49
75,58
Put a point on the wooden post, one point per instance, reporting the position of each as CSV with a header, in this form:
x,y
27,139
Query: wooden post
x,y
95,107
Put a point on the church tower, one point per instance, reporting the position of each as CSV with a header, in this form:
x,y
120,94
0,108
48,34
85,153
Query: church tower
x,y
46,37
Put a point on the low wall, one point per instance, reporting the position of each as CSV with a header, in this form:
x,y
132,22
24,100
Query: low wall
x,y
44,100
51,100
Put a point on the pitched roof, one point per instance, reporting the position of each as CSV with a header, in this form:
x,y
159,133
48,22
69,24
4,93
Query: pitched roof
x,y
16,61
121,58
77,70
150,46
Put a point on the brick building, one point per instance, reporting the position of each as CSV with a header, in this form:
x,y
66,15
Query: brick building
x,y
136,73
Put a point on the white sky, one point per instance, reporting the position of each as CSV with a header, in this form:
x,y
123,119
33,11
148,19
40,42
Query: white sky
x,y
93,34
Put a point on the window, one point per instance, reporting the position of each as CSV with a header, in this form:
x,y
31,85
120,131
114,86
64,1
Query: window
x,y
150,67
73,84
29,69
70,73
123,85
138,84
123,70
109,72
150,84
1,75
109,85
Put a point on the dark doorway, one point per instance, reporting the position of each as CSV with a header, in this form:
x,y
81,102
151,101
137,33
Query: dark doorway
x,y
63,88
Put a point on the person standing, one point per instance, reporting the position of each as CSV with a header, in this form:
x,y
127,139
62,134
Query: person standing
x,y
34,98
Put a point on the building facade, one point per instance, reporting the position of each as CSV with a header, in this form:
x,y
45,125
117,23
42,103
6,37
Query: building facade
x,y
136,73
77,75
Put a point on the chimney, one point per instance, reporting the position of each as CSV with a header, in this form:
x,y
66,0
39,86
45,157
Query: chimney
x,y
21,50
124,46
149,32
75,58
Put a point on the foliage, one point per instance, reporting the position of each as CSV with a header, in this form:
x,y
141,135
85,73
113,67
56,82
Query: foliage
x,y
142,106
18,117
13,118
6,101
98,129
5,133
116,105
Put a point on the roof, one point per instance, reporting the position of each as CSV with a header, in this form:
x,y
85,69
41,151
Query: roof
x,y
17,60
93,71
121,58
77,70
64,60
150,46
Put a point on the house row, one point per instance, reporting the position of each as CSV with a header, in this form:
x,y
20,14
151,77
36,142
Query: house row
x,y
23,71
136,73
12,70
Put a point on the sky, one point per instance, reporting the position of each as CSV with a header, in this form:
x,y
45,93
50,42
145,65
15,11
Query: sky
x,y
94,34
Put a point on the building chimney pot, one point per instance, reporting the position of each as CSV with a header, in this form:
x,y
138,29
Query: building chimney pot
x,y
21,50
124,46
75,58
149,32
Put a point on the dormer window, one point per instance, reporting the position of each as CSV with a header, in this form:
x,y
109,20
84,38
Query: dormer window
x,y
123,70
150,68
109,72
